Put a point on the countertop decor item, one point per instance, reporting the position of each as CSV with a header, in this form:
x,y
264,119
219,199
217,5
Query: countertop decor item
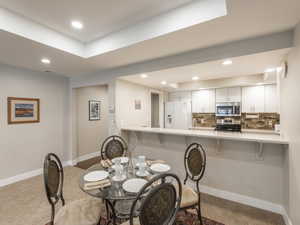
x,y
23,110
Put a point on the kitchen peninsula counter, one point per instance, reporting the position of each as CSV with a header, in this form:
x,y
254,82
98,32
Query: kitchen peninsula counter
x,y
262,138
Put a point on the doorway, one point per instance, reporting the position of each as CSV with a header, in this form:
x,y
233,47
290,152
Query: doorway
x,y
155,110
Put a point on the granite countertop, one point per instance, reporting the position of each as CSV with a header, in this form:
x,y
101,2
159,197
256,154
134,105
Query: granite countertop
x,y
220,135
259,131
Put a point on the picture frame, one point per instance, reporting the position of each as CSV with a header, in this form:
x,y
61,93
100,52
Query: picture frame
x,y
137,104
94,110
23,110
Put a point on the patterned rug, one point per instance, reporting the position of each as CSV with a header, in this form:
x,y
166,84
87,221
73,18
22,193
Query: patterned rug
x,y
190,218
185,218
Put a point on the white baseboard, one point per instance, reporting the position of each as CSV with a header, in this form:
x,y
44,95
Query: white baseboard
x,y
246,200
24,176
85,157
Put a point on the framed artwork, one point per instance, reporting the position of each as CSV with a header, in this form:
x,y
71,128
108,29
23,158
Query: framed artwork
x,y
94,110
137,104
23,110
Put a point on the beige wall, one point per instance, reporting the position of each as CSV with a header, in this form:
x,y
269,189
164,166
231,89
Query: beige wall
x,y
126,114
235,169
290,112
90,134
24,146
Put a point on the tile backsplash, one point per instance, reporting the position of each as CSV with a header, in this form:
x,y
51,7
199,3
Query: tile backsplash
x,y
204,120
262,121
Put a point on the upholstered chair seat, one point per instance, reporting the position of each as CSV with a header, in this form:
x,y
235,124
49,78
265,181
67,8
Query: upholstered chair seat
x,y
189,197
85,211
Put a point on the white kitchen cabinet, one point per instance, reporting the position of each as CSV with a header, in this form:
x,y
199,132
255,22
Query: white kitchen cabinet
x,y
271,98
221,95
234,94
228,94
253,99
203,101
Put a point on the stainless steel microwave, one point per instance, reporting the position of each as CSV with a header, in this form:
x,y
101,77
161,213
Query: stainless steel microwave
x,y
228,109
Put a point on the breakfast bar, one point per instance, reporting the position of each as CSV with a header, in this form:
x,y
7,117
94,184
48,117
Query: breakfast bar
x,y
260,138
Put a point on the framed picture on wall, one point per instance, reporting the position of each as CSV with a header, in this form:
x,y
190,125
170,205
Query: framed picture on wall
x,y
23,110
94,110
137,104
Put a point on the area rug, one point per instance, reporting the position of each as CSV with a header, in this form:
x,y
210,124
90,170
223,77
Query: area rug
x,y
184,218
190,218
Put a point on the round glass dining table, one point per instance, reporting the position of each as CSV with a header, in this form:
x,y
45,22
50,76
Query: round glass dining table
x,y
119,200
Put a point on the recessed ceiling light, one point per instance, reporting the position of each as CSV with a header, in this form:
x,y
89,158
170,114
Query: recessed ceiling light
x,y
227,62
144,75
163,82
270,70
45,61
195,78
77,24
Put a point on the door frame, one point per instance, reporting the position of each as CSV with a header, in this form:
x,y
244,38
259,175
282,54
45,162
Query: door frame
x,y
161,107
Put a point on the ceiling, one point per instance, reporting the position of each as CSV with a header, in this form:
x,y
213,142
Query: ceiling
x,y
244,19
242,66
100,17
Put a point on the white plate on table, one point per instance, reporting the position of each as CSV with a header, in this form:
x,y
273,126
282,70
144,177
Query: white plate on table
x,y
95,176
160,168
134,185
124,160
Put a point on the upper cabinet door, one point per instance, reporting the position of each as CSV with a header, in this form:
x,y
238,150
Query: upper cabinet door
x,y
203,101
253,99
271,99
222,95
228,94
234,94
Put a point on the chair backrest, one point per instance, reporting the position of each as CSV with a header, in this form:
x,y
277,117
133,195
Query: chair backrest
x,y
53,180
112,147
194,162
158,201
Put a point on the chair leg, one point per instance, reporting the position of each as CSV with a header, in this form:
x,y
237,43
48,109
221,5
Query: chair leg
x,y
199,213
52,214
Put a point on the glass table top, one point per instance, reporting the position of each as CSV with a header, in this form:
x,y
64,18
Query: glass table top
x,y
115,190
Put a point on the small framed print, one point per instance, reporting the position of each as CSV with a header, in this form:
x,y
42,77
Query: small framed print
x,y
94,110
23,110
137,104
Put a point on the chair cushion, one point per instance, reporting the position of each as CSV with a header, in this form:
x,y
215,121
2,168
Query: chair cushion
x,y
85,211
136,221
189,197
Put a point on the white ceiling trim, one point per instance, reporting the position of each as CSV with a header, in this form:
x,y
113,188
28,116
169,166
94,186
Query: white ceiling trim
x,y
15,24
199,11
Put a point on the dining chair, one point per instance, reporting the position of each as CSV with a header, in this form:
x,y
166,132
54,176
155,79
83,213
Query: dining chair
x,y
87,211
158,202
112,147
194,163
